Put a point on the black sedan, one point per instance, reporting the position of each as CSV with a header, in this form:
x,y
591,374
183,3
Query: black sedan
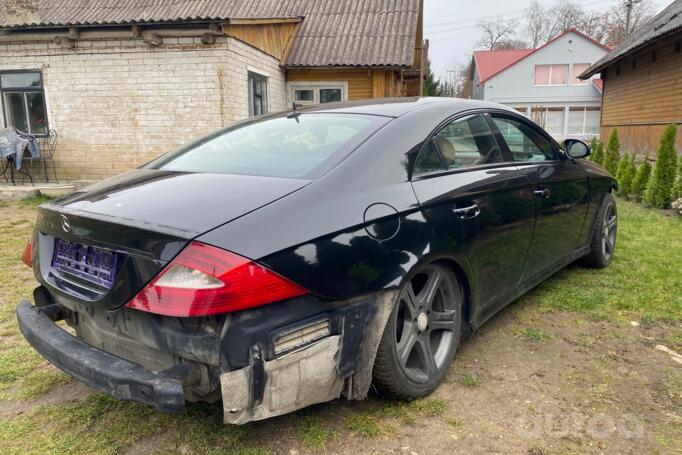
x,y
294,258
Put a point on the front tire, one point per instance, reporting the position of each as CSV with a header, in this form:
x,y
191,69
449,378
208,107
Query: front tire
x,y
603,242
422,333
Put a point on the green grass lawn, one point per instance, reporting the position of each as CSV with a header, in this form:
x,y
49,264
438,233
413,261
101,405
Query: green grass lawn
x,y
643,283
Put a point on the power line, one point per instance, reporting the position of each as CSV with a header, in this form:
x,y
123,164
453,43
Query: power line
x,y
514,14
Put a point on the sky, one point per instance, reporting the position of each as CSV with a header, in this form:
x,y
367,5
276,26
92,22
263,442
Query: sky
x,y
450,25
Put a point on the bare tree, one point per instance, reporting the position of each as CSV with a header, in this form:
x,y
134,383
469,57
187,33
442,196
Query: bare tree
x,y
563,16
595,25
511,44
496,30
616,20
464,87
536,23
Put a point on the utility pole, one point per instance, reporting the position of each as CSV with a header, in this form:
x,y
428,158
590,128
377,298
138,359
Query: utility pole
x,y
629,4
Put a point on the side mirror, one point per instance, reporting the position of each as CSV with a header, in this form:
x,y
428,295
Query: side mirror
x,y
575,148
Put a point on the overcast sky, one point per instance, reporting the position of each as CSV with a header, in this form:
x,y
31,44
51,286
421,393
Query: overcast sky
x,y
450,25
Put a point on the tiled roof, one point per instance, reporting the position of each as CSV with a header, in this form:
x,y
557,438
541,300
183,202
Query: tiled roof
x,y
598,84
667,21
490,63
526,52
333,32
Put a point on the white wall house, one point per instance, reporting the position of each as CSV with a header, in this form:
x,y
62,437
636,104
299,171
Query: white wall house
x,y
543,83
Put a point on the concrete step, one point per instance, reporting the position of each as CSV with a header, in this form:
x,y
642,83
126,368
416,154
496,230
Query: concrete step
x,y
10,192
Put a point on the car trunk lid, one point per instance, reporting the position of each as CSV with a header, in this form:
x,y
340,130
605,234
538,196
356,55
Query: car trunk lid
x,y
104,243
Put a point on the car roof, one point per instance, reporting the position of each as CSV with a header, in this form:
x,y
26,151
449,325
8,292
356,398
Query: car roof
x,y
396,107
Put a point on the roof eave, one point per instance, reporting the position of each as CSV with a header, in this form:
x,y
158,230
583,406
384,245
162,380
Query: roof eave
x,y
386,66
599,67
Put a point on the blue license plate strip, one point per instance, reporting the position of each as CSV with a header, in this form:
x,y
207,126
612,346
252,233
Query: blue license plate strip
x,y
85,261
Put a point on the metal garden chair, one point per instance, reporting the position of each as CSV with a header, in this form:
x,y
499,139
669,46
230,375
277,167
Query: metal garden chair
x,y
48,145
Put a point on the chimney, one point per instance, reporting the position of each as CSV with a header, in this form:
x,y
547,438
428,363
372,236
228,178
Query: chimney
x,y
20,12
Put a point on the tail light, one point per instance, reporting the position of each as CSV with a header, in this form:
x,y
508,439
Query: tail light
x,y
203,280
27,255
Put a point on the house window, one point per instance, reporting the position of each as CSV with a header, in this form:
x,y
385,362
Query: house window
x,y
551,75
584,121
578,69
23,101
258,94
305,93
551,119
521,110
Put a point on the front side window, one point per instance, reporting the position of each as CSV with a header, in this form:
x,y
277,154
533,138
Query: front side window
x,y
276,147
468,142
23,101
550,75
524,142
258,95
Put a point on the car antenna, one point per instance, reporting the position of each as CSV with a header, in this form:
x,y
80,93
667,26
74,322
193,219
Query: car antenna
x,y
295,114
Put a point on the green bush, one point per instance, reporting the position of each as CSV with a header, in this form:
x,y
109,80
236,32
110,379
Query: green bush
x,y
597,155
677,187
625,175
641,179
612,155
659,190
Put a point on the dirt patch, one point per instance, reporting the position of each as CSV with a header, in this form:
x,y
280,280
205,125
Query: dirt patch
x,y
151,444
71,392
590,386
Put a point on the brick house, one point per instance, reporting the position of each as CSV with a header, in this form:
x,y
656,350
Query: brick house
x,y
642,85
122,82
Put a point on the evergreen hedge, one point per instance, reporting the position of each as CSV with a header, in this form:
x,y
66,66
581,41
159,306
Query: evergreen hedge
x,y
597,155
625,175
677,187
659,190
612,155
641,179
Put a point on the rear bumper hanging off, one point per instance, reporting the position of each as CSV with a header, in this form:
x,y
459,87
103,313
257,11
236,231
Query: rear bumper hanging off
x,y
99,369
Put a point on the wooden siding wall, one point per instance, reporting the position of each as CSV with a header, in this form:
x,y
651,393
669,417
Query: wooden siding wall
x,y
362,83
273,39
643,94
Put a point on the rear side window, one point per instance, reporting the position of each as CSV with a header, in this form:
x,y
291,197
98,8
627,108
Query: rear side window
x,y
524,141
276,147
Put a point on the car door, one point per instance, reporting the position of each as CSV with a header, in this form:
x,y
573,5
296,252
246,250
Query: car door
x,y
478,203
560,190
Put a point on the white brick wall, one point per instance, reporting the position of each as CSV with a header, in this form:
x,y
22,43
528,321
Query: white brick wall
x,y
118,104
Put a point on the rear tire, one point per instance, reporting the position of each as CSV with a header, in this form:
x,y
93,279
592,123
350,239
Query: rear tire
x,y
422,333
603,243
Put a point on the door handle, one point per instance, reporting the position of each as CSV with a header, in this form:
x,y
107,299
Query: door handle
x,y
465,213
542,192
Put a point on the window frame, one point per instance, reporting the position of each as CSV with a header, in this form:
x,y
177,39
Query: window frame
x,y
486,113
24,91
265,98
574,76
584,110
315,86
549,75
530,124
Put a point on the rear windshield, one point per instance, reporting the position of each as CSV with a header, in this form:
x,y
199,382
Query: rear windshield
x,y
277,147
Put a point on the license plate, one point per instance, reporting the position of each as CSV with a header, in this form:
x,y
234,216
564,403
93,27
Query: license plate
x,y
84,261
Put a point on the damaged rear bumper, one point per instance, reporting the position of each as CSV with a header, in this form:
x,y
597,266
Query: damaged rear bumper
x,y
99,369
263,362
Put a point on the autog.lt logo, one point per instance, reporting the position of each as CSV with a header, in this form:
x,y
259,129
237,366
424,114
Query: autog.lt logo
x,y
66,224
